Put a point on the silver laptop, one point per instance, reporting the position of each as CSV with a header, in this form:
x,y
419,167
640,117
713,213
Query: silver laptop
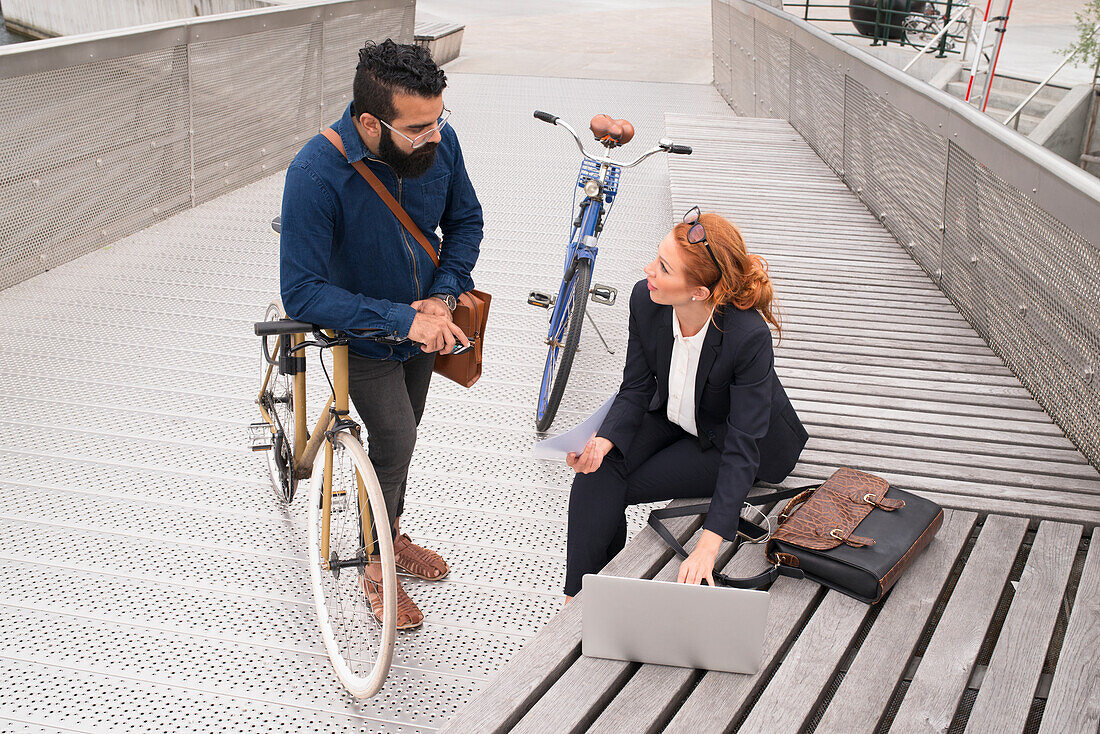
x,y
667,623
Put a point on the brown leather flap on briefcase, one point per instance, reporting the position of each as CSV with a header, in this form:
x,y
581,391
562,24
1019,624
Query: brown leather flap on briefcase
x,y
470,315
825,517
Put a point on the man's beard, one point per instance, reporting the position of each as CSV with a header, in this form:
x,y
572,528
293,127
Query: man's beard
x,y
406,165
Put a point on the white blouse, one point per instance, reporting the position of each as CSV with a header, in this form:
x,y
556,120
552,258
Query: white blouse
x,y
681,375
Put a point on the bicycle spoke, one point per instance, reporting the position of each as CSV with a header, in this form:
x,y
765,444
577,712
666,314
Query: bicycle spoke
x,y
278,400
360,646
563,347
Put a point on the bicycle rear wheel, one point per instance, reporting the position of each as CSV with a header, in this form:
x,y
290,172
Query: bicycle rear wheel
x,y
564,337
360,648
277,398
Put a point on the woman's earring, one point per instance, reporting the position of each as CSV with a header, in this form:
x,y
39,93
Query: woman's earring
x,y
693,298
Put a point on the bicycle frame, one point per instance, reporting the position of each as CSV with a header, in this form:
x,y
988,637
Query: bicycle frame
x,y
607,171
305,452
582,241
598,180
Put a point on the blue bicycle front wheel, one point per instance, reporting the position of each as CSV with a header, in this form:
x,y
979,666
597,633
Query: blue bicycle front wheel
x,y
563,339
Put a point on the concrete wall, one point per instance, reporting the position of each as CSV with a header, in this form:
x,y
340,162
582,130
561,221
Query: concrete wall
x,y
46,19
927,67
1063,129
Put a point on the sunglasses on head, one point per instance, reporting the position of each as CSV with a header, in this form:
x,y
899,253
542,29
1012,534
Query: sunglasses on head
x,y
697,234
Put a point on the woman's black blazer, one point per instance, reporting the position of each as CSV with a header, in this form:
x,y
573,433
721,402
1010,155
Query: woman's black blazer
x,y
740,405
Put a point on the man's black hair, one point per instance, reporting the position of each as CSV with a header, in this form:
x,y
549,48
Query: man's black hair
x,y
388,67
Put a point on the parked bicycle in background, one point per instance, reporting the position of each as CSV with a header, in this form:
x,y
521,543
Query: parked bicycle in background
x,y
597,185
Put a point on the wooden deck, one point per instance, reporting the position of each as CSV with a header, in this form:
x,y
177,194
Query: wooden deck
x,y
885,373
996,628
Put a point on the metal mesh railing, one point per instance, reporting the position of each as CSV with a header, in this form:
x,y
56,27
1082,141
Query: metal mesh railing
x,y
104,134
895,163
1009,231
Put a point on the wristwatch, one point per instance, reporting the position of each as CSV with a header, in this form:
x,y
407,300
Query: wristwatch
x,y
447,298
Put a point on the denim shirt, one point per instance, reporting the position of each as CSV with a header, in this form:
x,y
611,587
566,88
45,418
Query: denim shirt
x,y
346,262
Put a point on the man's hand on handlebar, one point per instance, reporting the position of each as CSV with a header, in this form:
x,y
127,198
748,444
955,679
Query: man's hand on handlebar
x,y
436,333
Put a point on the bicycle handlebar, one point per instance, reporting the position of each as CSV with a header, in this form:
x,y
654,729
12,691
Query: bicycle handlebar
x,y
664,144
283,327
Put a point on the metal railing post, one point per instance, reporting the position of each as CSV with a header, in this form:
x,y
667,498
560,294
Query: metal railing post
x,y
321,85
943,32
943,41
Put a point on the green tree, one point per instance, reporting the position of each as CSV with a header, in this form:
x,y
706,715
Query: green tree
x,y
1087,47
1087,50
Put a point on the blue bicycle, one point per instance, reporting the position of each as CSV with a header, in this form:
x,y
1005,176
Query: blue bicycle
x,y
598,181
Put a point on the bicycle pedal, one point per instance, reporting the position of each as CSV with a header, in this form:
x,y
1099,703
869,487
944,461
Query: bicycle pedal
x,y
604,294
259,436
541,300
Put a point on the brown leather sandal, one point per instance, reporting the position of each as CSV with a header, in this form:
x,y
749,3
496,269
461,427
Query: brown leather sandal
x,y
418,561
409,616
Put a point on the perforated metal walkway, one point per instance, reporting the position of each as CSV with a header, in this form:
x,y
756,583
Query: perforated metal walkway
x,y
150,580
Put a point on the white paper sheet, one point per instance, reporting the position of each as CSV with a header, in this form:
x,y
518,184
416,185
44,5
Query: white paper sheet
x,y
556,447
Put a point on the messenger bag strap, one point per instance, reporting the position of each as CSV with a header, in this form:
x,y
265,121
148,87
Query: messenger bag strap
x,y
744,529
384,195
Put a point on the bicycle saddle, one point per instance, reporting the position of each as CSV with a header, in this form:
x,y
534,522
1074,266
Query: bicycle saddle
x,y
607,130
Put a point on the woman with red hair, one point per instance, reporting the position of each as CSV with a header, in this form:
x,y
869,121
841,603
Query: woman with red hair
x,y
700,413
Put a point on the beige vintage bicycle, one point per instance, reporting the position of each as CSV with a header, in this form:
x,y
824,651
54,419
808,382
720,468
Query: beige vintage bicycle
x,y
344,496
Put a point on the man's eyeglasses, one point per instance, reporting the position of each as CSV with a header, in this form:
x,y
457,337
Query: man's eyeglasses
x,y
697,234
422,139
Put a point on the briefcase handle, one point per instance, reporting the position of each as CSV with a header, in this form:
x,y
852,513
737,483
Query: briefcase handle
x,y
746,531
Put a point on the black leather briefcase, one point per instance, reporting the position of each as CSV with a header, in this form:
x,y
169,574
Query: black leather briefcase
x,y
854,533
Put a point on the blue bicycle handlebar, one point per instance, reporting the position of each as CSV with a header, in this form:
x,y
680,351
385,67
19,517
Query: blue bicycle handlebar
x,y
546,117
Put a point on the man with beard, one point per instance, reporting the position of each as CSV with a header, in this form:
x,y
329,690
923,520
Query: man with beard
x,y
346,262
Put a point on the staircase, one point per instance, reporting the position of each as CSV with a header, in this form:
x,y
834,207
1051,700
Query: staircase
x,y
1007,93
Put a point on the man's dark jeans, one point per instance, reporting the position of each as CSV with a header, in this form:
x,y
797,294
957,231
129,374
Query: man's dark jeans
x,y
389,396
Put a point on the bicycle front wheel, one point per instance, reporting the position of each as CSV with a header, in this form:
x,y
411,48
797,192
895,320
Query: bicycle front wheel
x,y
564,337
360,648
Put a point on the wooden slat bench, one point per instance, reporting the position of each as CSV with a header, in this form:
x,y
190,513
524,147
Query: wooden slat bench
x,y
442,38
996,627
910,664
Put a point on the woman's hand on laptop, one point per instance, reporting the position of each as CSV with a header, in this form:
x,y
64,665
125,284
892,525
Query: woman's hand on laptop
x,y
699,565
590,459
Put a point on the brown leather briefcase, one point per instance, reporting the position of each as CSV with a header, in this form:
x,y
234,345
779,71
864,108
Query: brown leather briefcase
x,y
854,533
469,315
